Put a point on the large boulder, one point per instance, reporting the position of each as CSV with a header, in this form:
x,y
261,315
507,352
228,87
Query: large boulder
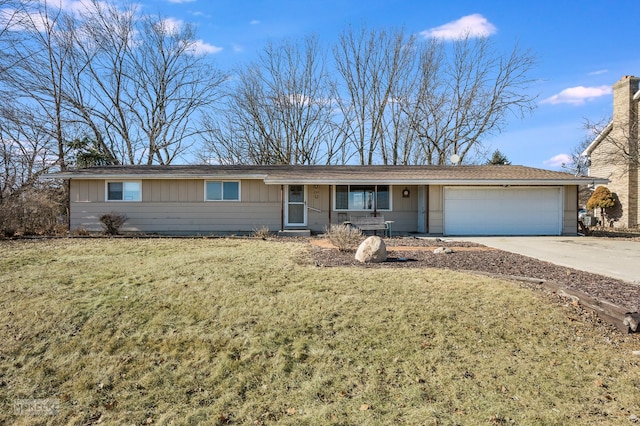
x,y
372,250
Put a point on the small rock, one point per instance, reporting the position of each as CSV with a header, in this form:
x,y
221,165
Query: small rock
x,y
634,419
372,250
443,250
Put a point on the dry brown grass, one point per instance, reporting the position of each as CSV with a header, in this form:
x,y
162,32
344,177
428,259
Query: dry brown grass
x,y
202,331
344,237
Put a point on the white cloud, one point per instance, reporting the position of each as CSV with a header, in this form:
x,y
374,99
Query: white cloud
x,y
181,1
171,25
41,15
254,22
598,72
201,48
558,160
578,95
474,25
238,48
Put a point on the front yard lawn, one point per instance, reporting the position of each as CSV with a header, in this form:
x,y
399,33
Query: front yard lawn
x,y
230,331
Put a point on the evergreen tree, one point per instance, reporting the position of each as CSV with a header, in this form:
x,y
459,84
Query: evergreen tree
x,y
498,158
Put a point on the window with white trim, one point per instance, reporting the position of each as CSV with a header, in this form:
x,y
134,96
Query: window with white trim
x,y
362,197
222,191
124,191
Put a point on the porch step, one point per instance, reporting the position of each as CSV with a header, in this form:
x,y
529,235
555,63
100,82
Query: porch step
x,y
295,233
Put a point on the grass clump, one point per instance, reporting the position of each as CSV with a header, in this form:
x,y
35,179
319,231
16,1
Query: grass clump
x,y
261,232
240,331
344,237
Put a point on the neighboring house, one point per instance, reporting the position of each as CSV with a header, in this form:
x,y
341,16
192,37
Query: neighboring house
x,y
613,154
435,200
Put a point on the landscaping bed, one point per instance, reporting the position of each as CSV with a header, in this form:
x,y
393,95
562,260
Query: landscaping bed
x,y
410,252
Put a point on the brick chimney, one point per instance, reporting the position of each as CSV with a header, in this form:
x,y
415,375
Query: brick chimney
x,y
624,106
625,130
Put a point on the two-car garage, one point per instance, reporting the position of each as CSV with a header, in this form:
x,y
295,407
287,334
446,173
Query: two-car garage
x,y
503,210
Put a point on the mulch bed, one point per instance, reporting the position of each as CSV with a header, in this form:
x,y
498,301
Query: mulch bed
x,y
409,252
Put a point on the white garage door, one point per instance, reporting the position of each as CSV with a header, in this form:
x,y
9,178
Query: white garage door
x,y
502,211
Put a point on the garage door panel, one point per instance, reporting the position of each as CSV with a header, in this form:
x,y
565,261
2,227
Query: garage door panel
x,y
502,211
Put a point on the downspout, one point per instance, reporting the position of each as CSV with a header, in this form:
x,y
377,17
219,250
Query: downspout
x,y
330,207
281,207
577,210
68,197
427,207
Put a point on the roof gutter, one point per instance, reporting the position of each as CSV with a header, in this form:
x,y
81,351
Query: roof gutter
x,y
474,182
138,176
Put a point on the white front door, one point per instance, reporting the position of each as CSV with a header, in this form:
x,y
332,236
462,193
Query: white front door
x,y
296,205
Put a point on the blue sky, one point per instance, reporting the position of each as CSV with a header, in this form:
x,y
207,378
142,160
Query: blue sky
x,y
583,47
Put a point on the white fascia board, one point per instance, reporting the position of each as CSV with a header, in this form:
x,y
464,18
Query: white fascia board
x,y
468,182
603,134
344,181
155,177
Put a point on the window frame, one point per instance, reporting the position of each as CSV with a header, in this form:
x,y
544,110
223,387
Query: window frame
x,y
122,181
350,208
222,199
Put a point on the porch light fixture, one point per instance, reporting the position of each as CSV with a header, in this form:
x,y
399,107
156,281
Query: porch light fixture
x,y
406,192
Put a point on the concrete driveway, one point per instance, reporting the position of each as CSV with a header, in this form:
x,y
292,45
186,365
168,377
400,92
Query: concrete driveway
x,y
613,258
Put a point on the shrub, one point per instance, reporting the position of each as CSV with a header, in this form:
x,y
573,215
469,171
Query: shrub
x,y
344,237
112,222
35,211
262,232
606,201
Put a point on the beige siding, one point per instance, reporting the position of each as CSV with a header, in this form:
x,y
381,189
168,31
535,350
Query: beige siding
x,y
607,165
173,191
436,210
85,191
178,206
404,212
186,217
570,210
173,206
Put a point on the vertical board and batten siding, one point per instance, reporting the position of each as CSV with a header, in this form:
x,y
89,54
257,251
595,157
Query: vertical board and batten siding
x,y
178,206
404,211
570,210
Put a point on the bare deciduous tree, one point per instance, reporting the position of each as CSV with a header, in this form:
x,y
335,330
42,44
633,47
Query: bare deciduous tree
x,y
279,111
34,62
375,69
619,144
467,93
140,85
26,151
